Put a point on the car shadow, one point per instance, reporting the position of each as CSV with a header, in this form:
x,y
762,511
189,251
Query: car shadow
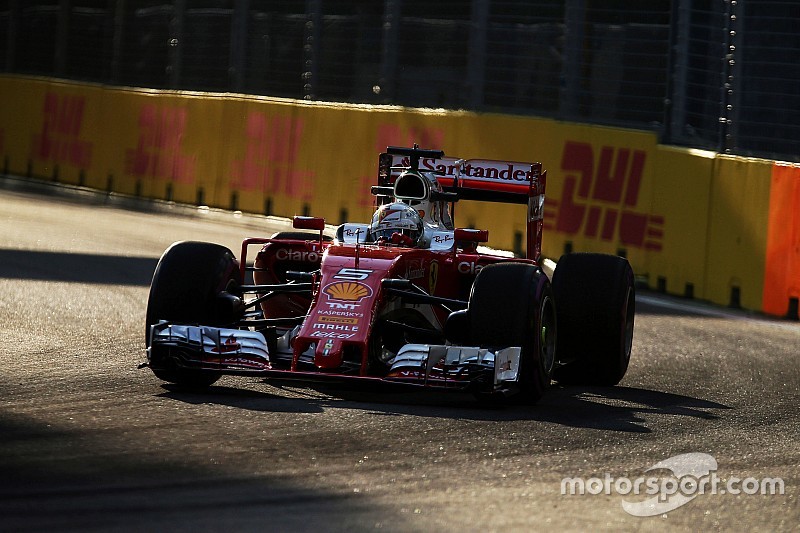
x,y
67,478
623,409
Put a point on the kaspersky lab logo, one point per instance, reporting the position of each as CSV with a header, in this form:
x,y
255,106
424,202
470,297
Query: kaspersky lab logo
x,y
691,474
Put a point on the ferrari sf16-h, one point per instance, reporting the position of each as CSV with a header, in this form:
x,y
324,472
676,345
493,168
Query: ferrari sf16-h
x,y
406,299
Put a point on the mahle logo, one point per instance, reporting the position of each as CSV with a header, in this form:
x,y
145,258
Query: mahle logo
x,y
692,474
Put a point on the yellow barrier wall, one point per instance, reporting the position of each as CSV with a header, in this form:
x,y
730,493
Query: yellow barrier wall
x,y
737,234
681,201
692,223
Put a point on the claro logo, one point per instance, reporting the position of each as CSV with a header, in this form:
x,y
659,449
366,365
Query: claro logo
x,y
469,267
600,197
285,254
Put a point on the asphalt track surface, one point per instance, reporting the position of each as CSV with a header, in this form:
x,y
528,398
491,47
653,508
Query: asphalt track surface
x,y
90,442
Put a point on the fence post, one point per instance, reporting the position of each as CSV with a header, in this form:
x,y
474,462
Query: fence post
x,y
477,52
677,72
734,82
11,39
574,19
238,60
727,78
311,48
62,38
176,44
118,27
391,30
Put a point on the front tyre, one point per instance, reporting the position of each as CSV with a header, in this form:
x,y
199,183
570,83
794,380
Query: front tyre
x,y
191,285
512,304
596,297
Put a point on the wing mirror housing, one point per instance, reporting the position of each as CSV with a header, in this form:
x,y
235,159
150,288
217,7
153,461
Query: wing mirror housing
x,y
313,223
471,235
467,239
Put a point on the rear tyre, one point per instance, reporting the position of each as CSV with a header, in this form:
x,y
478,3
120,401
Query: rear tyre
x,y
512,304
595,295
186,289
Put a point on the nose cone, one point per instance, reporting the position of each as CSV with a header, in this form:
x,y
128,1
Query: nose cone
x,y
328,354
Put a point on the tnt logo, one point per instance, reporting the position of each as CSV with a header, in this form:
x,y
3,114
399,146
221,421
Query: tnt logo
x,y
600,196
59,141
158,150
270,158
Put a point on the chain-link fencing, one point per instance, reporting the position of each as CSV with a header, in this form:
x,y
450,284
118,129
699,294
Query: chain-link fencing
x,y
713,74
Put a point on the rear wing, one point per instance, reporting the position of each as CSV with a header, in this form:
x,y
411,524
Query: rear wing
x,y
484,180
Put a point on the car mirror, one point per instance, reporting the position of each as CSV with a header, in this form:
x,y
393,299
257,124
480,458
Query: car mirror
x,y
471,235
315,223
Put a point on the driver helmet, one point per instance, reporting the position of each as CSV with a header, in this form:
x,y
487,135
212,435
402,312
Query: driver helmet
x,y
397,223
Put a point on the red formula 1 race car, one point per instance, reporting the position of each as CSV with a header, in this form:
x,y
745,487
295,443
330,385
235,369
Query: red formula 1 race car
x,y
406,299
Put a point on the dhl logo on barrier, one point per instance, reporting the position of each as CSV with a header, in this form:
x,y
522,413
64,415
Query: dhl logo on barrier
x,y
348,291
59,139
271,154
159,152
600,201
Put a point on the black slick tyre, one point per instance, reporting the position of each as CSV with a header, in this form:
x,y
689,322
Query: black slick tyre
x,y
595,297
190,286
511,304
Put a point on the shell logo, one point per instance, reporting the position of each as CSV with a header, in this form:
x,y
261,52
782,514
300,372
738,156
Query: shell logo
x,y
348,291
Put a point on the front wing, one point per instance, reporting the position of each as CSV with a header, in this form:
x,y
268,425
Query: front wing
x,y
246,352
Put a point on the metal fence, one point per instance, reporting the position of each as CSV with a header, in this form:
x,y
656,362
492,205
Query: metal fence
x,y
715,74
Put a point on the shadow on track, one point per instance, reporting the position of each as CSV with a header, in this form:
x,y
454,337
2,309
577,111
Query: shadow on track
x,y
66,479
76,267
608,408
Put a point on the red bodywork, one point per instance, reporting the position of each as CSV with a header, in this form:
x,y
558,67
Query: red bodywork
x,y
348,296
